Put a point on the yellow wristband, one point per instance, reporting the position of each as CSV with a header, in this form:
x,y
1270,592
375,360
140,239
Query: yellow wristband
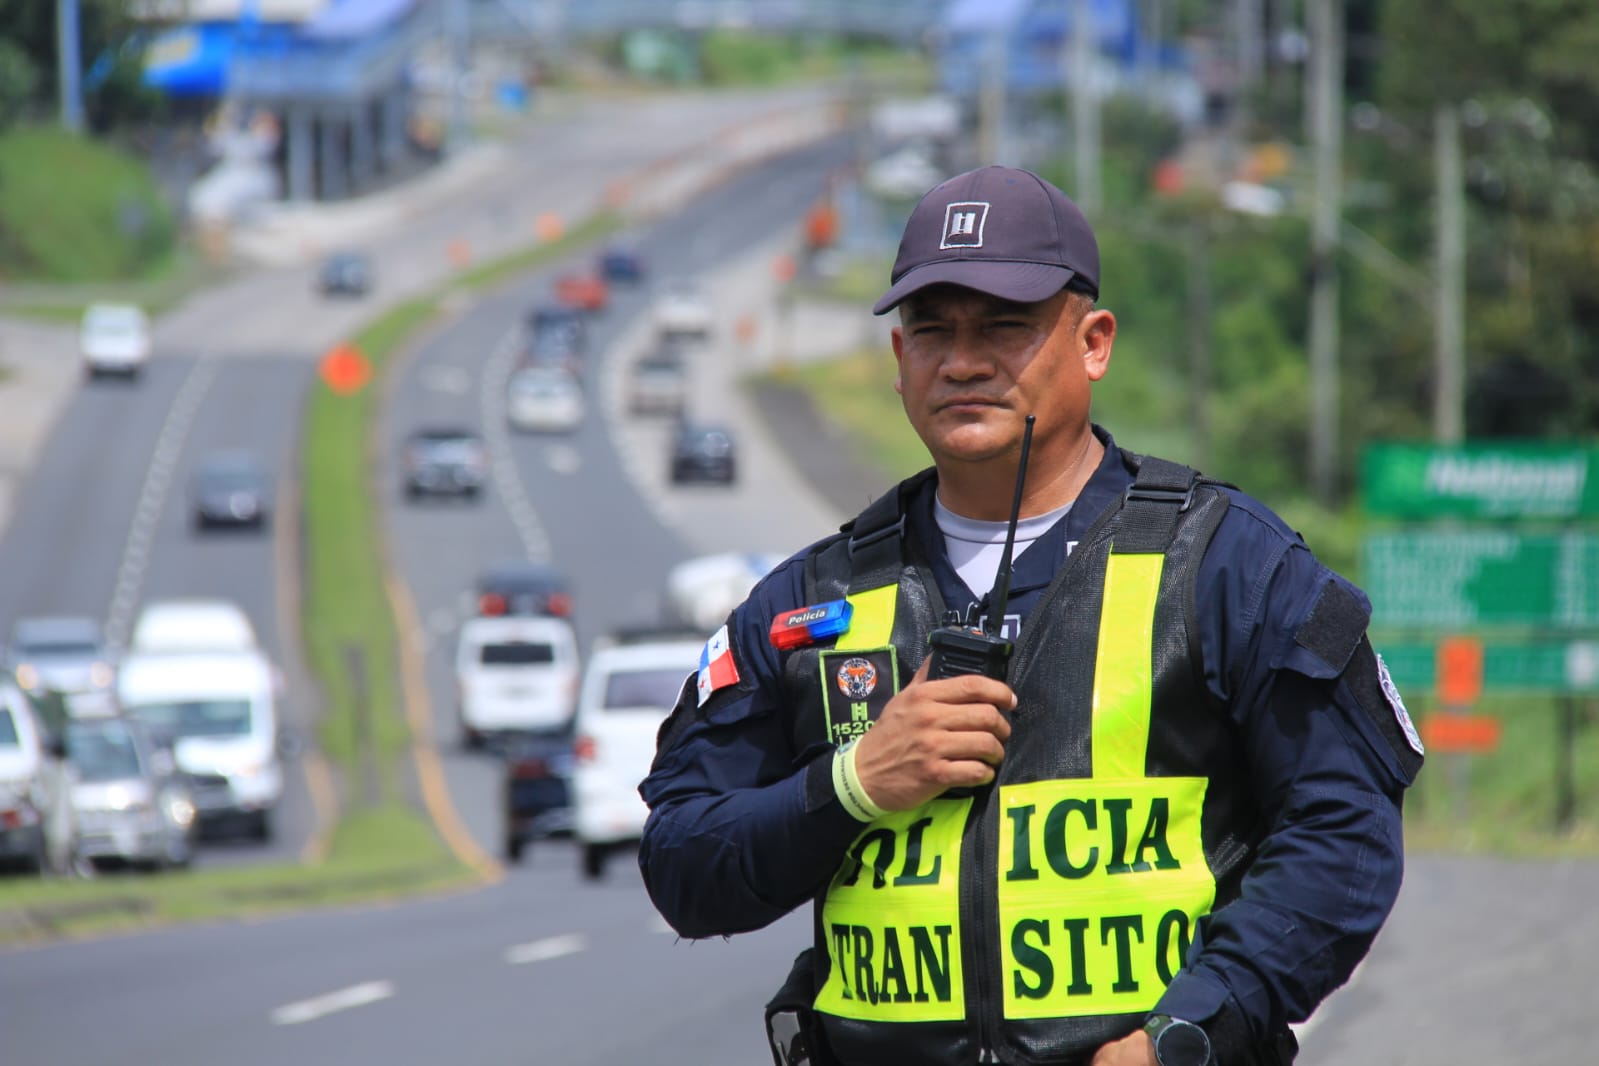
x,y
847,786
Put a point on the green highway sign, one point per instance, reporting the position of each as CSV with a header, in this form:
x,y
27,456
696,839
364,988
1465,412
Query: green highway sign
x,y
1540,481
1469,579
1554,667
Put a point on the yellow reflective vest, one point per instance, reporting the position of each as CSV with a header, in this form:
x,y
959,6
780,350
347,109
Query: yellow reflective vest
x,y
1045,914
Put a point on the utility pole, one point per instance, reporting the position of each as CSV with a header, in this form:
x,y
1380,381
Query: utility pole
x,y
1448,397
1198,314
1327,79
458,32
1085,107
69,51
991,96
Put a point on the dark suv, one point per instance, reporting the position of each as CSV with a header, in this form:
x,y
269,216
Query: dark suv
x,y
702,453
522,587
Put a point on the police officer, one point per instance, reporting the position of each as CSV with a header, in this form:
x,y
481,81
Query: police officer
x,y
1169,832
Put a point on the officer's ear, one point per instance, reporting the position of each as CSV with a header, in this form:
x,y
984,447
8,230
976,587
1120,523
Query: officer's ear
x,y
1096,333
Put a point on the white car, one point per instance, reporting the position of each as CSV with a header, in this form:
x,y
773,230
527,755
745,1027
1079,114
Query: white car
x,y
544,399
114,339
218,711
516,674
192,625
701,592
681,310
38,825
628,691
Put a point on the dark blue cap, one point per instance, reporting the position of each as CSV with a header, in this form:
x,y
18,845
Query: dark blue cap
x,y
1005,232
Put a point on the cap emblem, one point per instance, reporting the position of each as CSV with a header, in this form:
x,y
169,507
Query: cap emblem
x,y
963,225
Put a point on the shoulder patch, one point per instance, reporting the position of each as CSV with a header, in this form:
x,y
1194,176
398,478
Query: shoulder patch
x,y
717,667
1397,703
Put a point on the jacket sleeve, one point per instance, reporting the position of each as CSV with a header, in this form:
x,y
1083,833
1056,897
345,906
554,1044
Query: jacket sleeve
x,y
742,829
1331,750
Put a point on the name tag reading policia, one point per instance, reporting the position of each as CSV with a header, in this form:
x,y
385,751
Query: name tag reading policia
x,y
1100,884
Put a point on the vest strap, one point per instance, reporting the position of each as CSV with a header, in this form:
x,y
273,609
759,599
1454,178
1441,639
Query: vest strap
x,y
1161,491
877,537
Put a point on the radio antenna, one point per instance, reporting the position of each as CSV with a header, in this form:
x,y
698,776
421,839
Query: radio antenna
x,y
999,598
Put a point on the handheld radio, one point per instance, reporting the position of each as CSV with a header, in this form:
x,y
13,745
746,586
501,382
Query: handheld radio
x,y
959,646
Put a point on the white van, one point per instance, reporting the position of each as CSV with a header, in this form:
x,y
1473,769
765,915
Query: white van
x,y
218,710
628,690
515,674
192,625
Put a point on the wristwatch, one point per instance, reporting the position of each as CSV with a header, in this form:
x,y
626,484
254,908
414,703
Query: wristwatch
x,y
1178,1042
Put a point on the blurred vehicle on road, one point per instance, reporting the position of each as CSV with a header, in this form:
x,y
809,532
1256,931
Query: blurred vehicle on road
x,y
443,461
659,382
682,310
523,587
904,174
114,338
132,805
557,324
630,685
621,262
192,624
544,399
536,794
701,592
515,675
702,452
38,823
345,274
217,711
583,290
231,489
66,655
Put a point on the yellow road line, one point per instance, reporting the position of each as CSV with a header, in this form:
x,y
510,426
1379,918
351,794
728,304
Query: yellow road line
x,y
419,714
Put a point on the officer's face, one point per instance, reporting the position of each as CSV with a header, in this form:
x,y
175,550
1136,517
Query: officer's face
x,y
972,367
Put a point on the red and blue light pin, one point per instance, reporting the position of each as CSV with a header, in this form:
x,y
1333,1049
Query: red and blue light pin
x,y
811,625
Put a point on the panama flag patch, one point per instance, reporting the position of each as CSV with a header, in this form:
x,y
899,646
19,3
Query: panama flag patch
x,y
717,669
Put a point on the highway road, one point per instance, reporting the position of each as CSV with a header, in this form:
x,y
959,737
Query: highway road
x,y
543,966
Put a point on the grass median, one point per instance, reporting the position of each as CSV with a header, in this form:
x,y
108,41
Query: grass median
x,y
383,846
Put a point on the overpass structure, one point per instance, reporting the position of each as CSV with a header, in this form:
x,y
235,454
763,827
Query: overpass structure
x,y
339,75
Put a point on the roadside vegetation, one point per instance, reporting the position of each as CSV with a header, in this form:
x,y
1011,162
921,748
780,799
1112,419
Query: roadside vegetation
x,y
74,210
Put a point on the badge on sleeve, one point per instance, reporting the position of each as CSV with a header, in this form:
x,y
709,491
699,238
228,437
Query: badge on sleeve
x,y
857,685
1402,716
717,668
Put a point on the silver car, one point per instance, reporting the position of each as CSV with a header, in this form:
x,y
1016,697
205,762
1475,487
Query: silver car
x,y
133,806
66,655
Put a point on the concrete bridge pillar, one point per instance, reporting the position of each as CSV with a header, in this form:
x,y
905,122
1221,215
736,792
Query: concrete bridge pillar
x,y
335,171
300,156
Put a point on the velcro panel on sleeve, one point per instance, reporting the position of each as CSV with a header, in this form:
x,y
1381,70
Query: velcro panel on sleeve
x,y
1333,628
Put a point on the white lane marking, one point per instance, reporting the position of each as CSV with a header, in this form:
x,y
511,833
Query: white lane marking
x,y
451,380
550,948
563,458
307,1010
513,497
152,496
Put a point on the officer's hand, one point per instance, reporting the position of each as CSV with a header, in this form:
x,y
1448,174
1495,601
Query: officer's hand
x,y
933,736
1134,1049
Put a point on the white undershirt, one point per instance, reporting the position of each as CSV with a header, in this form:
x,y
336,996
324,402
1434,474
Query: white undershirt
x,y
975,546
